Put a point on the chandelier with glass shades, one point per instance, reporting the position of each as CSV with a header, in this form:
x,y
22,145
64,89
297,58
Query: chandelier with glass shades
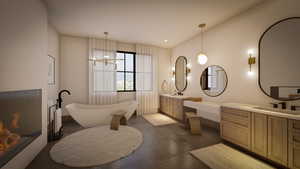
x,y
202,58
106,58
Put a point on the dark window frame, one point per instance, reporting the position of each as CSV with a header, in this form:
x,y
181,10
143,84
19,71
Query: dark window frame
x,y
127,72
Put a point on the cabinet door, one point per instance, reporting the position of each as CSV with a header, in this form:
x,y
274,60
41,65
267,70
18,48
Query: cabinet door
x,y
277,139
236,134
259,134
178,109
294,150
163,104
169,106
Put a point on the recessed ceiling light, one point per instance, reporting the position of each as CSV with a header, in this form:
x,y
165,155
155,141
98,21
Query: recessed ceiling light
x,y
165,41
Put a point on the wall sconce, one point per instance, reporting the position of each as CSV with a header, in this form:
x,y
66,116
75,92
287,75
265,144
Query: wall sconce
x,y
251,61
188,78
173,71
173,74
188,71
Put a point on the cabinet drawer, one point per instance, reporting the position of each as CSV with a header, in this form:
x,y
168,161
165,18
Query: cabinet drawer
x,y
237,112
243,120
237,134
294,125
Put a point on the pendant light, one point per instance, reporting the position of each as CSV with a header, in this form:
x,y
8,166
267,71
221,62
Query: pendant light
x,y
202,58
106,52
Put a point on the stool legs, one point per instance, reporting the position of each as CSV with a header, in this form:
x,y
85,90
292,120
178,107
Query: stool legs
x,y
117,121
195,125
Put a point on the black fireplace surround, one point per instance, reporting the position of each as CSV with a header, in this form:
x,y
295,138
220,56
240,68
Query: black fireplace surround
x,y
20,121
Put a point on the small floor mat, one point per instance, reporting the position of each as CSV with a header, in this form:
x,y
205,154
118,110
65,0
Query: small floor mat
x,y
157,119
220,156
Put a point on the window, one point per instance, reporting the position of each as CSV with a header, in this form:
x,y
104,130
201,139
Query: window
x,y
126,72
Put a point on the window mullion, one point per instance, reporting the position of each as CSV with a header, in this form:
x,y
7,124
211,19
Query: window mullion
x,y
125,71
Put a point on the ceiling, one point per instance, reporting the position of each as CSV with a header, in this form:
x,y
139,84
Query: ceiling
x,y
142,21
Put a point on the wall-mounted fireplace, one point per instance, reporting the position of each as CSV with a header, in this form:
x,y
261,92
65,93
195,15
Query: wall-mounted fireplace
x,y
20,121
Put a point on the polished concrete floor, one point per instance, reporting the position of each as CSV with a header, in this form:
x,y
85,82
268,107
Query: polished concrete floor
x,y
164,147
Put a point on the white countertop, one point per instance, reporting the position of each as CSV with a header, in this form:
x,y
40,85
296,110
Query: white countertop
x,y
176,96
196,105
207,110
272,112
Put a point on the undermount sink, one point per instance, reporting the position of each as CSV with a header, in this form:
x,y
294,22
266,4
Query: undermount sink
x,y
278,110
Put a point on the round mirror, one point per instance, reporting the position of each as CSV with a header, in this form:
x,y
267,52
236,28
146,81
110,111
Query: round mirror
x,y
213,80
181,74
279,60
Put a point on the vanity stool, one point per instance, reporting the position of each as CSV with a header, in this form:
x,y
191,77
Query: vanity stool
x,y
193,123
117,120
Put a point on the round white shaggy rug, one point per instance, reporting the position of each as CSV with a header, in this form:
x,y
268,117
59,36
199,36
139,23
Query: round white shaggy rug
x,y
96,146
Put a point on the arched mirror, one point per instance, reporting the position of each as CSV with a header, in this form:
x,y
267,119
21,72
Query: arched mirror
x,y
213,80
181,74
279,60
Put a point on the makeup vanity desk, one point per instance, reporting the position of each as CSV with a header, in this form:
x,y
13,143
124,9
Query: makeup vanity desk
x,y
172,105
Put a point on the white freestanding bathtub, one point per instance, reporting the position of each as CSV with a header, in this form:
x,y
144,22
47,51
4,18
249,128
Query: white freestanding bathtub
x,y
93,115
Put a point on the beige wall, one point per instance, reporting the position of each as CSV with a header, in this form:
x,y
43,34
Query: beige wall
x,y
227,45
74,68
164,67
23,65
53,50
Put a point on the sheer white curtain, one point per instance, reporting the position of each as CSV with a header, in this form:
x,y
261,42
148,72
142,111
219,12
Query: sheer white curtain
x,y
146,79
102,78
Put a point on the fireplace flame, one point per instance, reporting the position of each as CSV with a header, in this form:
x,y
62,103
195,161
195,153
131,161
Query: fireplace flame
x,y
7,138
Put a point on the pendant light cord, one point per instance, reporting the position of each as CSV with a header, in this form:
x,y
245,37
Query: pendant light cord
x,y
105,47
202,40
201,26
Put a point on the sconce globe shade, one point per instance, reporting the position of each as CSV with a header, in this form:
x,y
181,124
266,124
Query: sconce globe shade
x,y
202,59
250,73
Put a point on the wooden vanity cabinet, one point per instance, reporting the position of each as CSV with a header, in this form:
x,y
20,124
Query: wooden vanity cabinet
x,y
277,140
177,108
269,137
262,134
259,134
164,104
172,106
